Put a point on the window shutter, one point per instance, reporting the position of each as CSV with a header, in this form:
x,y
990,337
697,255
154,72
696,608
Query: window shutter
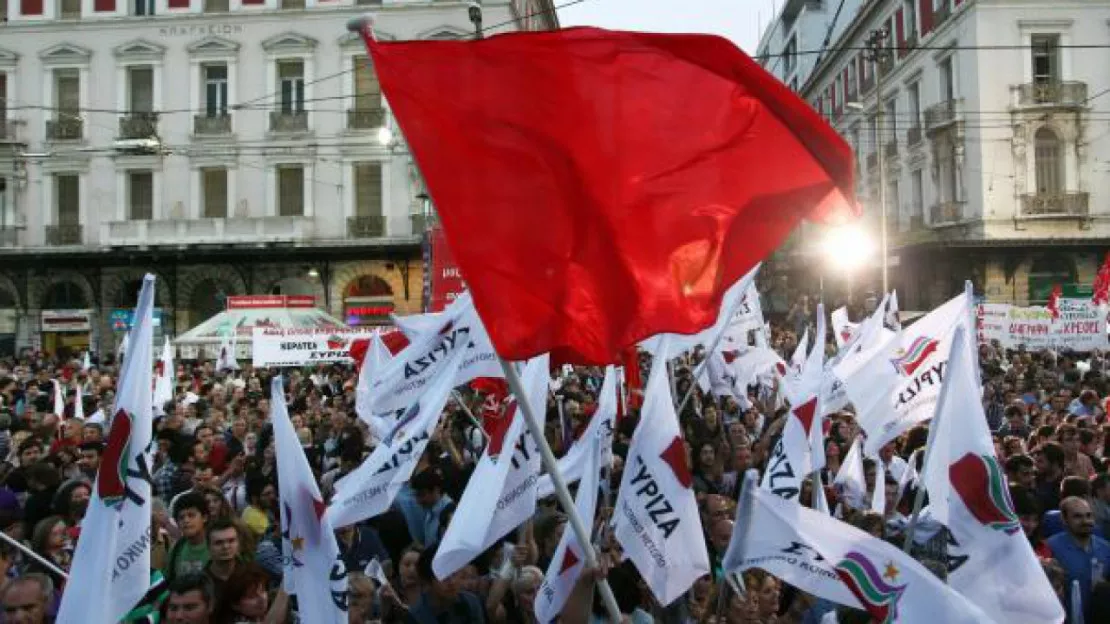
x,y
925,10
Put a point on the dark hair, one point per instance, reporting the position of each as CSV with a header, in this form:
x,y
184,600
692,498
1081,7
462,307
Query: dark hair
x,y
191,500
1016,463
1053,453
424,564
256,483
220,524
29,443
192,582
1011,411
1025,503
1075,486
428,479
1067,429
246,577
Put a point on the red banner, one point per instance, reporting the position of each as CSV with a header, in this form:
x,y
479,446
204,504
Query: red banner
x,y
447,282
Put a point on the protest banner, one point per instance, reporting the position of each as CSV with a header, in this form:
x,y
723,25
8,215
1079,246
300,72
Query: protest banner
x,y
1079,327
272,346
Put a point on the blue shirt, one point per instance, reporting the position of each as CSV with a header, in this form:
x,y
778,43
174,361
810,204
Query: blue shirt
x,y
1053,522
423,523
1081,565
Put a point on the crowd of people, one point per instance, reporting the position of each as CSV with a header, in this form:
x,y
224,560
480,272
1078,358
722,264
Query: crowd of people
x,y
216,545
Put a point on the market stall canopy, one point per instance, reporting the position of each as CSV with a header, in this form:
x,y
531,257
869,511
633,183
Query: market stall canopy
x,y
243,314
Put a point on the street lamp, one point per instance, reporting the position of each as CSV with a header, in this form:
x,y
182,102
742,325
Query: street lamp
x,y
846,248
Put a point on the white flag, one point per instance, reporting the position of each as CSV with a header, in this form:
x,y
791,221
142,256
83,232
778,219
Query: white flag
x,y
878,497
894,385
121,351
850,482
111,566
78,402
570,556
227,360
501,494
994,566
832,560
163,381
377,356
59,400
737,309
843,329
602,424
375,571
369,490
86,364
313,569
657,521
400,382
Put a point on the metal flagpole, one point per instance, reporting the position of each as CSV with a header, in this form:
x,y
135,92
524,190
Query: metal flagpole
x,y
469,414
561,490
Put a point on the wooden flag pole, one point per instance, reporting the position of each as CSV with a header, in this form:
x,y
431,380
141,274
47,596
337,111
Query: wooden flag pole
x,y
560,485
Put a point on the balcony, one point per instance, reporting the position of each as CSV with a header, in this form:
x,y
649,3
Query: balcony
x,y
946,213
1054,205
366,226
138,126
59,235
873,161
210,231
891,149
9,131
913,136
1071,94
365,119
421,223
205,125
289,122
65,128
941,115
9,237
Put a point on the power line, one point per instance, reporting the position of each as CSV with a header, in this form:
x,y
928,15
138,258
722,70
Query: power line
x,y
907,49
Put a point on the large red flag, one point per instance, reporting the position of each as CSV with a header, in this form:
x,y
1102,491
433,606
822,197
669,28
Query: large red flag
x,y
600,187
1101,288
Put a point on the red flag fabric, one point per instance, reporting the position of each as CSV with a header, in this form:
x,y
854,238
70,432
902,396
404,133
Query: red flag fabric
x,y
1101,289
600,187
633,382
1053,304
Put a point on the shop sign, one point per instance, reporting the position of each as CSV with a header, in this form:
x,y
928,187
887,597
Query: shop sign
x,y
271,346
67,320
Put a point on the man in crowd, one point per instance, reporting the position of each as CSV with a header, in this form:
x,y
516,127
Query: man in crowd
x,y
25,599
190,554
1084,556
191,600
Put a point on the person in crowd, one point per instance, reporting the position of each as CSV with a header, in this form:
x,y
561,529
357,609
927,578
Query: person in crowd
x,y
1084,556
442,601
1075,463
245,598
421,502
223,552
190,554
51,541
25,600
1050,464
261,503
191,600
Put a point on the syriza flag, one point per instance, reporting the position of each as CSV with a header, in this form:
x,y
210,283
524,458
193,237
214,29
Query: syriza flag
x,y
501,494
570,557
163,381
843,329
369,490
400,382
313,571
833,560
736,314
111,567
377,356
991,563
801,449
894,384
602,425
657,521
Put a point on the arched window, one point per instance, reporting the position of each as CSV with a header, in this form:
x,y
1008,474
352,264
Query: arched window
x,y
209,298
1049,163
129,294
369,286
1047,272
64,296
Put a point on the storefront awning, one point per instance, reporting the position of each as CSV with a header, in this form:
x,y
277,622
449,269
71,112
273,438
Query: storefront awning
x,y
243,314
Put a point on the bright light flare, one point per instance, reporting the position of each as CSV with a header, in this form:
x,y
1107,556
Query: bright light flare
x,y
848,247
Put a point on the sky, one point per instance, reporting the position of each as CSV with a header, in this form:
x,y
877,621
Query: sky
x,y
739,20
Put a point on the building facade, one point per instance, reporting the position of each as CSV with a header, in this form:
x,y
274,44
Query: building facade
x,y
231,147
985,120
788,47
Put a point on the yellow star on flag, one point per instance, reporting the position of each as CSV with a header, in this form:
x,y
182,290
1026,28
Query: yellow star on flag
x,y
891,572
298,543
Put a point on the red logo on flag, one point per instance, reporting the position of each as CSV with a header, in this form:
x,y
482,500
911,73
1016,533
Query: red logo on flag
x,y
675,456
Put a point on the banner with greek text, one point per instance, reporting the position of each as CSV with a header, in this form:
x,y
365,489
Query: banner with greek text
x,y
1081,326
273,346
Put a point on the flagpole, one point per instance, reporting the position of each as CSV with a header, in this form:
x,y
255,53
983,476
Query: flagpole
x,y
560,485
469,414
705,360
958,340
34,555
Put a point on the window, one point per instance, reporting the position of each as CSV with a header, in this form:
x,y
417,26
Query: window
x,y
913,94
140,195
947,80
214,183
852,80
292,4
67,91
910,13
1049,162
368,189
790,55
140,86
67,198
948,181
71,9
290,189
216,6
3,104
1046,59
143,7
917,188
215,90
368,92
291,85
873,132
893,199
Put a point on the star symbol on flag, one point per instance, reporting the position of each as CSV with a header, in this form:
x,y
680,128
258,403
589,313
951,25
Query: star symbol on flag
x,y
569,561
805,413
298,543
891,571
675,457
